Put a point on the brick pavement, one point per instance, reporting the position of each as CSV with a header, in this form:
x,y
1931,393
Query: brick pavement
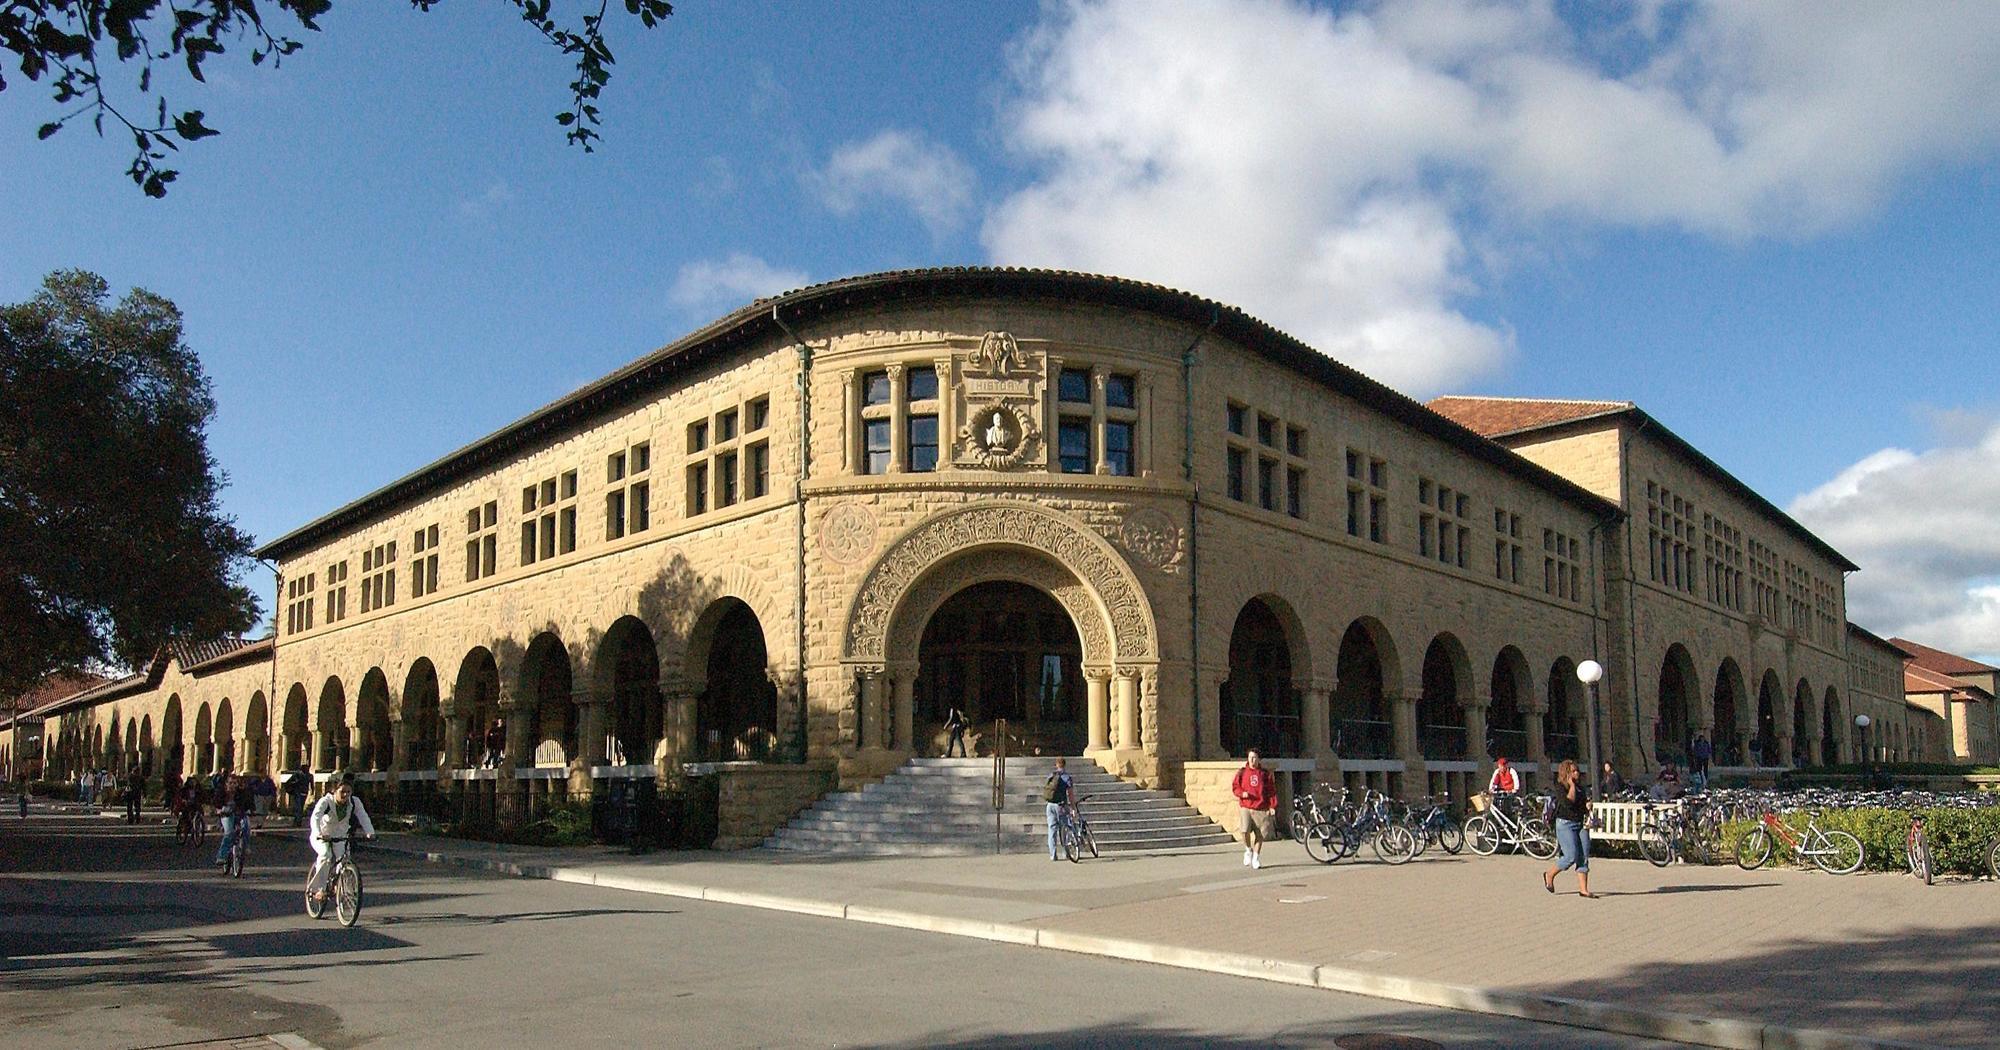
x,y
1879,956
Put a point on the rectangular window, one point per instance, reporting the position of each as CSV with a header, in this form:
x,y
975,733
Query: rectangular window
x,y
1354,512
757,415
1236,417
1295,441
489,553
1118,448
471,560
389,588
1267,431
1295,492
725,479
1073,386
1378,519
548,492
757,469
923,442
1073,444
642,457
698,436
1425,528
1267,483
614,514
923,384
548,530
640,506
725,426
1238,467
875,388
1378,473
568,487
614,468
568,529
1354,465
527,544
875,444
1119,392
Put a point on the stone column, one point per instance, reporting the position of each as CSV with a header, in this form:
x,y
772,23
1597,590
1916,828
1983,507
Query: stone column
x,y
1785,740
1125,698
947,414
1097,707
1051,410
899,435
1316,723
679,735
1475,730
850,422
1142,431
903,683
1098,380
1403,713
871,728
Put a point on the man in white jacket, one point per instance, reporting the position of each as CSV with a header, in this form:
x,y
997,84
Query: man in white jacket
x,y
334,817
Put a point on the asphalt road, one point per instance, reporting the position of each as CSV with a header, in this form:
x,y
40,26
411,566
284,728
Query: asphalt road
x,y
113,936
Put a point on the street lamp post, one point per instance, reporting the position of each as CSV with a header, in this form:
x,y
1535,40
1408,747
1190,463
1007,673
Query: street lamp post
x,y
1590,672
1861,730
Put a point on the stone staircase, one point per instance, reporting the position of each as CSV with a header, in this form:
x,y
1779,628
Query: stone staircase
x,y
944,806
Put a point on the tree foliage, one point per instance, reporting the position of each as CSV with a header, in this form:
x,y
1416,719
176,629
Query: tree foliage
x,y
111,539
76,44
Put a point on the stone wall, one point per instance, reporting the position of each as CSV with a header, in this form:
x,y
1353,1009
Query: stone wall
x,y
757,800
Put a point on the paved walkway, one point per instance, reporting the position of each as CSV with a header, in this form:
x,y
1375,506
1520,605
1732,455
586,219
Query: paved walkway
x,y
1878,957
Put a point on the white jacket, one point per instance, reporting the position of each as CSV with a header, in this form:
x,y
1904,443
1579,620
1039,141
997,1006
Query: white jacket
x,y
325,825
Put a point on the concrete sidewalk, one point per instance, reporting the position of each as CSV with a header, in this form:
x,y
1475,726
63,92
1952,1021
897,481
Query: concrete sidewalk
x,y
1714,956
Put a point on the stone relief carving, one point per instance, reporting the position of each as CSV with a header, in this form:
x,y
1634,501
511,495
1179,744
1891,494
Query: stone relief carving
x,y
1153,538
1002,403
999,437
1069,544
999,353
936,587
847,533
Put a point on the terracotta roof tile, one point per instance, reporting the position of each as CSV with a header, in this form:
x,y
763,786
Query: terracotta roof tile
x,y
1492,416
1943,662
1918,680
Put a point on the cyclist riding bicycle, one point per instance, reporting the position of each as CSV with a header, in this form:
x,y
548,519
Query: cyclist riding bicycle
x,y
187,805
233,805
334,817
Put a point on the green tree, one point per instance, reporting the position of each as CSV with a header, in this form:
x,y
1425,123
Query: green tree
x,y
111,540
76,44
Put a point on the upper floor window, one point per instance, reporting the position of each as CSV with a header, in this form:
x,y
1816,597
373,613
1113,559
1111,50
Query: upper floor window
x,y
424,562
628,503
482,540
299,603
1120,391
1073,386
875,388
548,525
1506,546
378,576
1367,497
737,465
336,591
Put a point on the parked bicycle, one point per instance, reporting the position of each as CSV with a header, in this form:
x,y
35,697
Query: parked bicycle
x,y
1833,851
1917,849
1690,831
1487,831
343,884
1346,829
1430,821
1074,831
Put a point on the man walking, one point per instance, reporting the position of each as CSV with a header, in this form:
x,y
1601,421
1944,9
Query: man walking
x,y
135,785
954,724
297,783
1056,794
1257,801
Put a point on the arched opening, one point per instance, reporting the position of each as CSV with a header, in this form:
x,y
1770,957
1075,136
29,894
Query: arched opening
x,y
633,688
1801,725
225,736
422,722
1830,724
1671,731
736,715
375,740
476,699
129,758
1002,649
256,734
330,726
297,737
545,690
1506,725
1441,706
1560,737
115,737
145,745
170,738
1362,726
1729,707
1260,707
204,740
1770,694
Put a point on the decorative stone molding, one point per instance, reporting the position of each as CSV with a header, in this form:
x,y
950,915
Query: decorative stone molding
x,y
847,533
1080,555
937,587
1154,539
999,436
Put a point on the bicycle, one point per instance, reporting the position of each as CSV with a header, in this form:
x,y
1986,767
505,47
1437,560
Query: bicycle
x,y
190,829
238,848
343,883
1917,849
1074,831
1673,834
1345,830
1486,832
1834,852
1431,823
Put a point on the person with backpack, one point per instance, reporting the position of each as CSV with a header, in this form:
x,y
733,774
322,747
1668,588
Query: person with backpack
x,y
1057,792
954,724
298,783
1257,803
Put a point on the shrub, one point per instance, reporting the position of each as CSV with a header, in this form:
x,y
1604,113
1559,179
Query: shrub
x,y
1958,838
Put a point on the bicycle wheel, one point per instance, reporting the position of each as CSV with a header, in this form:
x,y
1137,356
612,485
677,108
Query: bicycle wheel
x,y
1753,849
1993,858
1451,837
315,906
1066,831
1417,837
1839,853
200,831
347,895
1087,842
1537,839
1323,843
1653,845
182,833
1394,844
1299,826
1481,836
1920,861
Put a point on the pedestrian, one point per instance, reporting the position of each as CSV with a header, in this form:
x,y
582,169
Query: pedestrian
x,y
1702,752
135,785
496,743
1056,794
83,787
24,796
1667,786
297,784
954,724
170,787
1504,785
262,792
471,746
1257,808
1572,804
1613,783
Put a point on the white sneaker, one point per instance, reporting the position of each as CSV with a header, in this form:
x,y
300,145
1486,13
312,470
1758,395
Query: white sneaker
x,y
1246,856
1256,861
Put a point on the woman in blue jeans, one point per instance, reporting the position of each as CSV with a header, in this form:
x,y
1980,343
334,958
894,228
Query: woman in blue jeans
x,y
1572,830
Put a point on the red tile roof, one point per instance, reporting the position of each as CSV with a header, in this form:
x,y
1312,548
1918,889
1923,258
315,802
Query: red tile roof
x,y
1919,680
55,687
1494,416
1943,662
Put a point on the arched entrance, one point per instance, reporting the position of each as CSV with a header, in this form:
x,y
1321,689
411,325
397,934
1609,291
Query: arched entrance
x,y
1560,736
257,733
1770,694
146,764
1003,649
736,713
330,728
225,736
1260,705
204,743
298,738
422,721
375,740
1672,733
1506,726
475,701
1830,724
1801,725
1362,727
1441,707
629,674
170,737
1729,708
545,692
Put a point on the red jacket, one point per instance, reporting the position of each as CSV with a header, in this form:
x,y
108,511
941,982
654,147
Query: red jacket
x,y
1255,789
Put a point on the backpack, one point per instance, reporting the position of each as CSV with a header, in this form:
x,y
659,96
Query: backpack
x,y
1052,788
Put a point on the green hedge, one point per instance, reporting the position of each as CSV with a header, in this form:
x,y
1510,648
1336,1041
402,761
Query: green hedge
x,y
1958,838
1915,769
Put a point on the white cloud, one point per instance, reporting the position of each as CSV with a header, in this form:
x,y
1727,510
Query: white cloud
x,y
1326,170
1921,526
901,167
479,206
713,286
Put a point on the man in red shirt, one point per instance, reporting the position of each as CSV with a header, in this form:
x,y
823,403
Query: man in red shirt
x,y
1257,796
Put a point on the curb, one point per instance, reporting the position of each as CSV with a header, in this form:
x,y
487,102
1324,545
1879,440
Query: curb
x,y
1730,1034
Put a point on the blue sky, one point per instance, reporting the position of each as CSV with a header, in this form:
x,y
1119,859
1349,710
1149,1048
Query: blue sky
x,y
1775,227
